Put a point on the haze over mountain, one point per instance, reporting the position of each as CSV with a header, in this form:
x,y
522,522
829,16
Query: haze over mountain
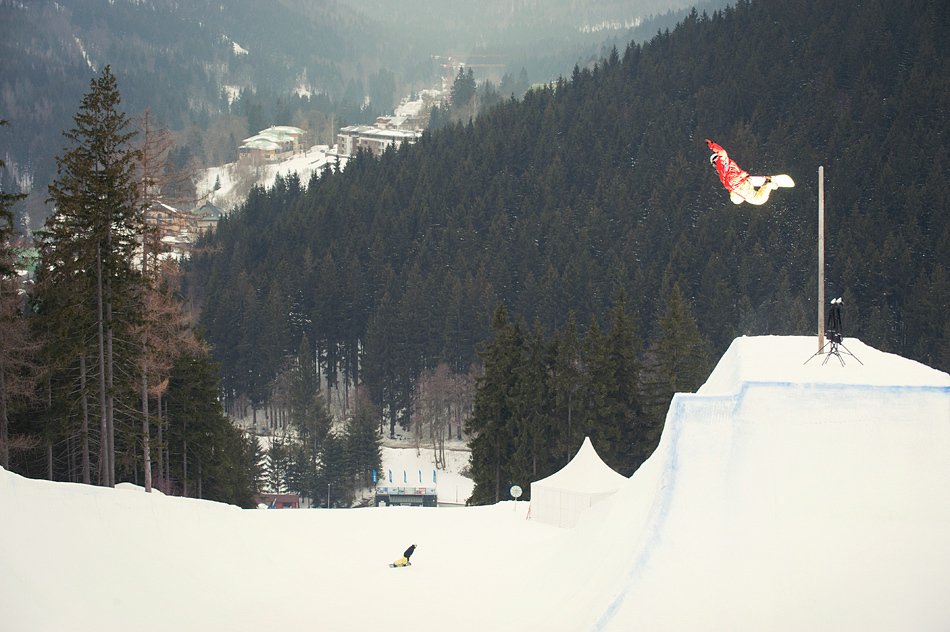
x,y
317,64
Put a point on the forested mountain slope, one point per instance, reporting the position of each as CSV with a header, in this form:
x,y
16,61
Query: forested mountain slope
x,y
601,183
186,61
217,71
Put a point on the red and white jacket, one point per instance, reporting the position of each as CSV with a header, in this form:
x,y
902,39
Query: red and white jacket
x,y
729,172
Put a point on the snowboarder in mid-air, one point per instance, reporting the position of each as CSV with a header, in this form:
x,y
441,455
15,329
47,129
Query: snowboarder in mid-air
x,y
741,186
404,560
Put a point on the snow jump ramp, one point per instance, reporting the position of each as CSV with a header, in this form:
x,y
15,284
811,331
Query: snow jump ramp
x,y
783,496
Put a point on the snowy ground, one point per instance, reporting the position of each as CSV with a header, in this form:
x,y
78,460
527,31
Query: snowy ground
x,y
782,496
405,466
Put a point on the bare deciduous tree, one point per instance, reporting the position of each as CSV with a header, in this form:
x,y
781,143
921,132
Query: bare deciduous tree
x,y
441,398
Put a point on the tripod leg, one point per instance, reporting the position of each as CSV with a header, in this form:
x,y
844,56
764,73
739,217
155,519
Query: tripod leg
x,y
848,351
817,353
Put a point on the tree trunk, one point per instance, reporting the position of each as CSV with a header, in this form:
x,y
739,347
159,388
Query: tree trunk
x,y
4,433
70,459
160,421
184,458
168,455
497,471
84,431
104,478
110,397
146,448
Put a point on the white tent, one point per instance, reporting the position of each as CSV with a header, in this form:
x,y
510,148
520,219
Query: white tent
x,y
561,497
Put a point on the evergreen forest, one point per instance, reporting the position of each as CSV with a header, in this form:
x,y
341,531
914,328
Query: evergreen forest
x,y
594,193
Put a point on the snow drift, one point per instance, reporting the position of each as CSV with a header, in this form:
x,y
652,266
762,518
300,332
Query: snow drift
x,y
782,496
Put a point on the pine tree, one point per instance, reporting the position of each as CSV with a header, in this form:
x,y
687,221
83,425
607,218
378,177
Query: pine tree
x,y
362,441
679,361
92,236
17,369
283,465
463,89
598,384
334,474
491,423
566,383
308,413
683,353
626,408
7,227
531,411
310,420
208,456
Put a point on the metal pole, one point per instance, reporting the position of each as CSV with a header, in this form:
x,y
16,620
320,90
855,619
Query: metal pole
x,y
821,257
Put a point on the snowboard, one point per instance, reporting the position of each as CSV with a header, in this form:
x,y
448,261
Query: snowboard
x,y
780,180
399,565
783,180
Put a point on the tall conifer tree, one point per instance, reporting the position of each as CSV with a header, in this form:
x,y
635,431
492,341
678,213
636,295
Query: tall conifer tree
x,y
92,236
491,422
531,408
566,384
625,407
16,347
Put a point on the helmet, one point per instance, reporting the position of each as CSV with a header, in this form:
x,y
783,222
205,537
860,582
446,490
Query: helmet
x,y
712,159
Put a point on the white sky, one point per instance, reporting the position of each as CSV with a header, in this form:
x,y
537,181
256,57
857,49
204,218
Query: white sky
x,y
782,496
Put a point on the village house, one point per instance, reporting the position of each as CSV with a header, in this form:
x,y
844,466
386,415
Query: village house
x,y
404,126
168,219
373,139
207,216
271,144
175,228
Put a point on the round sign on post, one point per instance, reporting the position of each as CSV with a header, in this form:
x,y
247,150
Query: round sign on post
x,y
515,492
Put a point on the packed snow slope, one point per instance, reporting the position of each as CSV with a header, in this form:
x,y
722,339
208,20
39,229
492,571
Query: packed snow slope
x,y
782,496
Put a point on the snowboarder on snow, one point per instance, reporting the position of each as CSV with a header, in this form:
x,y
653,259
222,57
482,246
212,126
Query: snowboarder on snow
x,y
741,186
404,560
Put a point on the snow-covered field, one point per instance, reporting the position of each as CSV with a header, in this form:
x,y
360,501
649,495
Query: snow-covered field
x,y
783,496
